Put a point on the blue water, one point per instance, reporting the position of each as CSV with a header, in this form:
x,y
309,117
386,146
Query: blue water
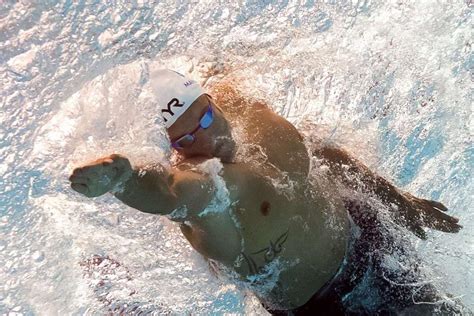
x,y
389,81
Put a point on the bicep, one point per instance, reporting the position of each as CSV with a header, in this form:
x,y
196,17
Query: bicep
x,y
194,190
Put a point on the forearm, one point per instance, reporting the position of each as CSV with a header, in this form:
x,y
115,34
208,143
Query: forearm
x,y
371,182
153,189
354,174
413,212
148,190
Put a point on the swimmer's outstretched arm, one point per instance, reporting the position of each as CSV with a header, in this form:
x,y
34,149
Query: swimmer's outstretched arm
x,y
413,212
153,190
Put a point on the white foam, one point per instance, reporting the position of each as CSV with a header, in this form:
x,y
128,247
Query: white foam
x,y
221,201
396,75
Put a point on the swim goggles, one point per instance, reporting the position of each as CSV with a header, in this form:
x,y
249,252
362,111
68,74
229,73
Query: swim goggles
x,y
188,139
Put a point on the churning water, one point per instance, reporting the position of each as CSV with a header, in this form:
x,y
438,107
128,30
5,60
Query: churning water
x,y
391,81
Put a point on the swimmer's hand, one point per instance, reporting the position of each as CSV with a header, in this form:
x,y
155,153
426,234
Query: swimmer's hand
x,y
426,213
410,211
101,176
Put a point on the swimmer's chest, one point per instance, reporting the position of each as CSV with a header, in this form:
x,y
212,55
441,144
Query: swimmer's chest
x,y
252,222
265,229
260,225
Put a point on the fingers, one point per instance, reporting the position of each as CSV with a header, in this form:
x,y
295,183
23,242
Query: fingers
x,y
438,224
82,178
107,162
99,177
79,183
434,216
78,179
437,205
436,209
447,227
430,214
83,171
116,157
91,170
447,218
79,187
442,221
77,172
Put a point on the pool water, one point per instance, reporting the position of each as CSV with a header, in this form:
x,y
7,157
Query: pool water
x,y
391,81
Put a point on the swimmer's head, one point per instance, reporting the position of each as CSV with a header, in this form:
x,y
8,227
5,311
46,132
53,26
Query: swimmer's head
x,y
195,125
175,93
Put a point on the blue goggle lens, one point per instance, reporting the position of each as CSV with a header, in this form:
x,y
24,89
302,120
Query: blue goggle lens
x,y
188,139
207,119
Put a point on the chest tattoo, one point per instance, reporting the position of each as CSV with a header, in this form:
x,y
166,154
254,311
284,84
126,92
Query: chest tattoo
x,y
269,253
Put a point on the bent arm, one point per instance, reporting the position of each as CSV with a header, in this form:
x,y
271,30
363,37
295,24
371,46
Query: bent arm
x,y
149,190
412,212
152,189
157,190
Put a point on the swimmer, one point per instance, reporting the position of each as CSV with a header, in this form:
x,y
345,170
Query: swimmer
x,y
299,237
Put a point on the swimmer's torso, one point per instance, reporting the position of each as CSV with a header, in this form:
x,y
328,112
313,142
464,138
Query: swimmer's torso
x,y
265,236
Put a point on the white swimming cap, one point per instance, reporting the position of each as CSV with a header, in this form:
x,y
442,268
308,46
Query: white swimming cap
x,y
174,92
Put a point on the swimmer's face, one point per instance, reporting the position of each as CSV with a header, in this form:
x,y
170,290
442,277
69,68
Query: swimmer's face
x,y
214,141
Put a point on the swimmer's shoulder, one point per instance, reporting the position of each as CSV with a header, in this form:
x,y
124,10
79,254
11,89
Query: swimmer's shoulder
x,y
233,101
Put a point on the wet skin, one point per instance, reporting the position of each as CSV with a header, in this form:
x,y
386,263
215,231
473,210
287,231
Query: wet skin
x,y
264,224
284,147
